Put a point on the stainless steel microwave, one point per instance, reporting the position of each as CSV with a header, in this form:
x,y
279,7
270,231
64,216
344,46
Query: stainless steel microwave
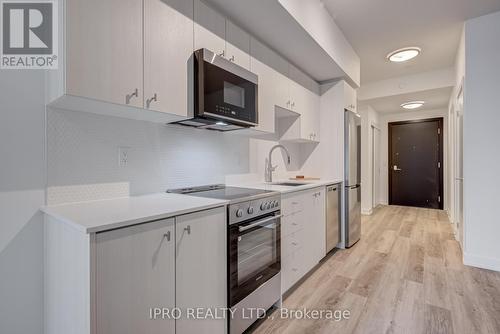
x,y
225,94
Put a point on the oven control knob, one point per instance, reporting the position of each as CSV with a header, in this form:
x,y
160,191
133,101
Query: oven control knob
x,y
239,213
276,204
268,206
263,206
250,210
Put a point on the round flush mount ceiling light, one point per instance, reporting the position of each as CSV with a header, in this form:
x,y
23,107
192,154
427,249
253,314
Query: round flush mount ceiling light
x,y
404,54
413,104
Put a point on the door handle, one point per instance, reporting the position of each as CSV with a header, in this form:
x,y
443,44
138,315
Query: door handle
x,y
396,168
150,100
129,97
260,222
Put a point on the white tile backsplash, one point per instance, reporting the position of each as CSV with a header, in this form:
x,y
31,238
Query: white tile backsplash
x,y
83,156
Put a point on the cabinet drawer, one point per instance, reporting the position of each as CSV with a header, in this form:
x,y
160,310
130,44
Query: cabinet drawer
x,y
291,205
291,223
290,271
292,243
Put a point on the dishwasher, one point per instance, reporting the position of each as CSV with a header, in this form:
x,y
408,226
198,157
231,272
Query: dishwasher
x,y
332,216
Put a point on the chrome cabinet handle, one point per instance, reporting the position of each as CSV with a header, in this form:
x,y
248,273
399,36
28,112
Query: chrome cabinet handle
x,y
150,100
288,103
396,168
222,54
167,236
188,229
293,104
129,97
260,222
231,59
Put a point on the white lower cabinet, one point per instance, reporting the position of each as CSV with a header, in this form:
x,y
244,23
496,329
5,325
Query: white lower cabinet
x,y
111,282
135,271
302,234
155,265
201,271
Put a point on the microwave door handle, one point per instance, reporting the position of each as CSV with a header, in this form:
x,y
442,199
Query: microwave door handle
x,y
260,222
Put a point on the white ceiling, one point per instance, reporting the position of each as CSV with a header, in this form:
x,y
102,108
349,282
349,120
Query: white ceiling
x,y
434,99
272,24
376,27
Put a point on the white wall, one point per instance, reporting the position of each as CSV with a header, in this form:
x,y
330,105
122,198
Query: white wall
x,y
22,192
83,156
369,117
452,110
384,143
481,142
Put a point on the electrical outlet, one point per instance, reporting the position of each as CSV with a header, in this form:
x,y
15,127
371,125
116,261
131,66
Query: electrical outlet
x,y
123,155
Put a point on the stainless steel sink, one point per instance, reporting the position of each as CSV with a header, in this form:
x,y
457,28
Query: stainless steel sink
x,y
290,184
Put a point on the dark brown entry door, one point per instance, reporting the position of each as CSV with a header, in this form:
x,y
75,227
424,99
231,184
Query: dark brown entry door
x,y
415,163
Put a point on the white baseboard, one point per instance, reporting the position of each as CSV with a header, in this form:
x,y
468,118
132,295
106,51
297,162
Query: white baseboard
x,y
482,262
366,212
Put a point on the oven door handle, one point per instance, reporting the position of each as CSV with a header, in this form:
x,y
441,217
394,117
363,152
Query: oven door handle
x,y
260,222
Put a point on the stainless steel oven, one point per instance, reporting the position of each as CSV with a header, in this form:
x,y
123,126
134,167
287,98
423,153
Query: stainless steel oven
x,y
253,250
254,254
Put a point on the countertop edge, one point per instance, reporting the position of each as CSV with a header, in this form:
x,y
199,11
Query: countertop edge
x,y
129,222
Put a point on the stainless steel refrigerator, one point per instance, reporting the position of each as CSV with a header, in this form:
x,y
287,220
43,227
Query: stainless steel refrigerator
x,y
352,177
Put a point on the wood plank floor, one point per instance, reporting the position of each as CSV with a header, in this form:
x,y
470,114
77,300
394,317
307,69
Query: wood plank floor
x,y
405,275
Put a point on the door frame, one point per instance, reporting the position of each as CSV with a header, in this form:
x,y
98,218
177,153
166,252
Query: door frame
x,y
440,121
375,170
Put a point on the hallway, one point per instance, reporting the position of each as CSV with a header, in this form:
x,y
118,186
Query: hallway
x,y
405,275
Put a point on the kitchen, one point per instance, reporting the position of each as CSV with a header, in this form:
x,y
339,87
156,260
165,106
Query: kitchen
x,y
197,172
187,190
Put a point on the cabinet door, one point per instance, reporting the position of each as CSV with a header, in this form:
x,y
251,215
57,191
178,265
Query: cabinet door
x,y
309,117
315,239
104,50
298,97
135,271
282,91
266,96
319,214
314,103
201,268
237,45
350,97
168,48
209,29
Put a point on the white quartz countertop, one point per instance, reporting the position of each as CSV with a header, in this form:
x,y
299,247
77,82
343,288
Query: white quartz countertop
x,y
97,216
308,184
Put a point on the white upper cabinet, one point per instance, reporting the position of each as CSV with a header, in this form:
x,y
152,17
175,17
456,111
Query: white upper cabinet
x,y
104,50
266,96
168,48
310,117
237,45
350,98
209,29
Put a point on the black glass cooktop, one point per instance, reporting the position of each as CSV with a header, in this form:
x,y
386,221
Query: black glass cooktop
x,y
221,192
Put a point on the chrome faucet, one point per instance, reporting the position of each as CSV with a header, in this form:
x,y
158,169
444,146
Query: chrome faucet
x,y
269,166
